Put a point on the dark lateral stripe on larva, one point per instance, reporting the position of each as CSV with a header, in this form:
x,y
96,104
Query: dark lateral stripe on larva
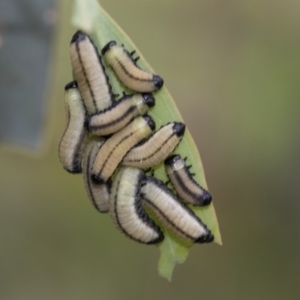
x,y
119,114
167,191
109,156
85,75
139,211
101,192
111,123
128,72
132,76
204,199
154,207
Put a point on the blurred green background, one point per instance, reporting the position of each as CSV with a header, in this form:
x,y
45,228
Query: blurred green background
x,y
233,69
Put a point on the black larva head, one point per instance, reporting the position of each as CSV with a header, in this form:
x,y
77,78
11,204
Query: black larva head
x,y
150,122
78,36
172,159
148,99
205,238
206,198
179,129
71,85
108,46
158,81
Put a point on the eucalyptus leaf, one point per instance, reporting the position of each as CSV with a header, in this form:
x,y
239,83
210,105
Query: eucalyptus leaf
x,y
89,16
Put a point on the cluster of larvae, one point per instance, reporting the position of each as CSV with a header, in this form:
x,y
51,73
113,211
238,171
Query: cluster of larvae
x,y
113,144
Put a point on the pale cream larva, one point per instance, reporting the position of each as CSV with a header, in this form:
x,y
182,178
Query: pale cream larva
x,y
74,136
156,148
126,208
119,114
125,67
115,148
172,213
97,193
89,73
185,185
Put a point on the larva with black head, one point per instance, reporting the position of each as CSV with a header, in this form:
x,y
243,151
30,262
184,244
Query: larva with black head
x,y
157,148
185,185
119,114
125,67
89,73
97,193
115,148
126,208
74,137
173,213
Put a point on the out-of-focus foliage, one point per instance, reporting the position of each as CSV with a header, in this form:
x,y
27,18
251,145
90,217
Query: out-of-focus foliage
x,y
233,70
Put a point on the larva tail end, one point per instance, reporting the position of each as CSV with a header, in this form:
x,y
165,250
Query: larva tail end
x,y
150,122
75,170
158,240
172,159
108,46
71,85
149,100
158,81
208,238
78,36
179,129
97,179
206,198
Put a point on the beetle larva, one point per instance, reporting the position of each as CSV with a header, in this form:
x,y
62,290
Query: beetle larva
x,y
89,73
185,185
156,148
74,136
173,213
119,114
126,208
125,67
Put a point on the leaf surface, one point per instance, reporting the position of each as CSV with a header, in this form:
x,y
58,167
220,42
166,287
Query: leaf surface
x,y
89,16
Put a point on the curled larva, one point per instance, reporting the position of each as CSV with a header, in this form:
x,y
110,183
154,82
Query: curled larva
x,y
185,185
115,148
125,67
97,193
172,213
119,114
89,73
74,137
126,208
156,148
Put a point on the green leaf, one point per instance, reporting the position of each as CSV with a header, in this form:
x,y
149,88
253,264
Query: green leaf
x,y
91,17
